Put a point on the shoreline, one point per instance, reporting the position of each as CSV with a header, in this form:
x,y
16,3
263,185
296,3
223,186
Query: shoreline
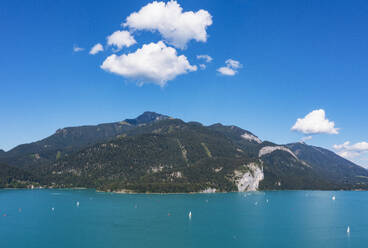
x,y
122,192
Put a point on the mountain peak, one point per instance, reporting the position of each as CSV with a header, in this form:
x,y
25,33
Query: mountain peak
x,y
147,117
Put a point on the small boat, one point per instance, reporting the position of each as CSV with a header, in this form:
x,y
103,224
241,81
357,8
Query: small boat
x,y
77,203
348,230
333,198
52,209
190,214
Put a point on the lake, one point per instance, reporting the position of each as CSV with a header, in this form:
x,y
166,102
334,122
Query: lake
x,y
52,218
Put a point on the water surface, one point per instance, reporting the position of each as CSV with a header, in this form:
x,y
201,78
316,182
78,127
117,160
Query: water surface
x,y
51,218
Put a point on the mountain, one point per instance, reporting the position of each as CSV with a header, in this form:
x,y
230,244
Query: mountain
x,y
328,163
12,177
157,153
70,139
166,156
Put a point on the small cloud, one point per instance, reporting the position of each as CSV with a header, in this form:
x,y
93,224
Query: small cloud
x,y
338,147
226,71
233,64
358,147
77,49
355,152
153,63
175,26
305,138
315,123
206,57
202,66
231,67
120,39
96,49
348,154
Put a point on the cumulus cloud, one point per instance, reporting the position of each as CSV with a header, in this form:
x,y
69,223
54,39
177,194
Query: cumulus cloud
x,y
154,62
315,123
96,49
77,48
348,154
175,26
202,66
205,57
352,151
358,147
233,64
305,138
231,67
120,39
226,71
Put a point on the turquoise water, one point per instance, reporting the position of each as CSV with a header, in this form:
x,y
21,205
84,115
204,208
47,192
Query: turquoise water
x,y
261,219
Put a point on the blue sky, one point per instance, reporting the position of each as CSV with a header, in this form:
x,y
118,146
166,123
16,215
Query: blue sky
x,y
295,56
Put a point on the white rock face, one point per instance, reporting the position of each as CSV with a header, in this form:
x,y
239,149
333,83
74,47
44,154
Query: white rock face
x,y
209,190
176,174
251,138
249,181
157,169
268,149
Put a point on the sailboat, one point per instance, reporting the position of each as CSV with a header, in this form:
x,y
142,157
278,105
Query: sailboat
x,y
348,230
190,214
77,203
333,198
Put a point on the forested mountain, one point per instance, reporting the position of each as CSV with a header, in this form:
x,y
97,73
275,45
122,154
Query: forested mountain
x,y
13,177
157,153
71,139
328,163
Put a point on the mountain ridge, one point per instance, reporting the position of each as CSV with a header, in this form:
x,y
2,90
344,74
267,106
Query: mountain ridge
x,y
158,153
71,139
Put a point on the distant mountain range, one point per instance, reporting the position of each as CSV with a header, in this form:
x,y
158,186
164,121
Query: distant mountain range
x,y
157,153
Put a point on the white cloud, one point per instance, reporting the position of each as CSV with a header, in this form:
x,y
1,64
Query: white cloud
x,y
96,49
233,64
177,27
206,57
348,154
338,147
202,66
226,71
154,62
314,123
231,67
358,147
120,39
354,152
305,138
77,48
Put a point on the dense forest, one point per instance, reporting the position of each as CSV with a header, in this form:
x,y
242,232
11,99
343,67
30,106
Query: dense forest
x,y
157,153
